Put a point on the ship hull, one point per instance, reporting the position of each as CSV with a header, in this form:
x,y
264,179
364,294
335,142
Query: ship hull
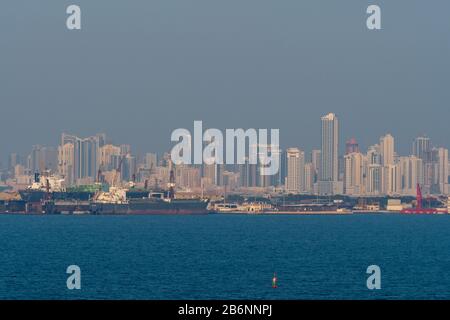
x,y
38,195
150,207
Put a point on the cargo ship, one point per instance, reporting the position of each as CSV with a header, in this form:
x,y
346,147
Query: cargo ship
x,y
48,184
115,201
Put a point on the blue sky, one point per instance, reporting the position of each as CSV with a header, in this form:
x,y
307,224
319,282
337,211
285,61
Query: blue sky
x,y
138,70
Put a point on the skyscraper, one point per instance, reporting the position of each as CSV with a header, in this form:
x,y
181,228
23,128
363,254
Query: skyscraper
x,y
443,170
42,158
421,148
354,173
387,150
295,170
86,156
316,162
329,169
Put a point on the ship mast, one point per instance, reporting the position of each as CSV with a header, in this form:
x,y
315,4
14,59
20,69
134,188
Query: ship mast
x,y
171,183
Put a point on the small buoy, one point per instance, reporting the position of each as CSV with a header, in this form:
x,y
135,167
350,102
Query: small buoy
x,y
274,281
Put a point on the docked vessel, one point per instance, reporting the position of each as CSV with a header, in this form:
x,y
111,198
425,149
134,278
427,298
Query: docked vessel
x,y
49,184
115,202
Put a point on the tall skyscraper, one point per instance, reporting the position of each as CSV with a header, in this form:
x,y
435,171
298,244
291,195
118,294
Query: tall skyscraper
x,y
421,148
316,162
374,179
329,169
443,170
295,170
106,154
42,158
387,150
354,173
86,156
309,178
411,173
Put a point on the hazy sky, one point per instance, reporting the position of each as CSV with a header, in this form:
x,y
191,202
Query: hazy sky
x,y
139,69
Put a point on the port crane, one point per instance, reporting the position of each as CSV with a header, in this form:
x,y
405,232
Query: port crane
x,y
171,183
419,209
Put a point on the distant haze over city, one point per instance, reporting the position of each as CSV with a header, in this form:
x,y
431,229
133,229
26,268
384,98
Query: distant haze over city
x,y
138,72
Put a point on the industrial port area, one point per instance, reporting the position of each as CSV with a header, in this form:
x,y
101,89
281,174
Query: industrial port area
x,y
47,195
95,176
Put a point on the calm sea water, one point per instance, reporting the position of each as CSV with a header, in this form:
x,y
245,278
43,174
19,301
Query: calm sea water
x,y
225,257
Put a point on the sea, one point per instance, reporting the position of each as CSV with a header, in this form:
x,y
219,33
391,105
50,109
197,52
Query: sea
x,y
225,256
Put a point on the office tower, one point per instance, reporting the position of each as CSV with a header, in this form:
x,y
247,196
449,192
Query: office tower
x,y
268,158
279,178
443,170
329,152
374,154
86,156
316,162
106,153
220,168
421,148
244,174
66,160
42,158
309,178
387,150
351,146
128,169
187,177
374,179
410,174
329,169
391,180
151,160
13,160
354,164
295,170
125,149
209,174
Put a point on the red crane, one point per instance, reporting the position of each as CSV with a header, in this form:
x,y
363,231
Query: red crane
x,y
419,209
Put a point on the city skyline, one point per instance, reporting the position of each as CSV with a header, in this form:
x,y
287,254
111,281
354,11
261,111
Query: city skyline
x,y
378,170
342,142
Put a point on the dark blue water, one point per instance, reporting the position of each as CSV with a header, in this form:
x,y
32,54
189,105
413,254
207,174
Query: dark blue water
x,y
224,257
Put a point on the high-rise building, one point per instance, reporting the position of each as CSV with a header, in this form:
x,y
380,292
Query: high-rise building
x,y
421,148
374,180
13,160
391,180
86,156
351,146
354,182
42,158
187,177
210,174
151,160
443,170
106,153
316,162
387,150
410,174
295,170
267,155
309,178
329,169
